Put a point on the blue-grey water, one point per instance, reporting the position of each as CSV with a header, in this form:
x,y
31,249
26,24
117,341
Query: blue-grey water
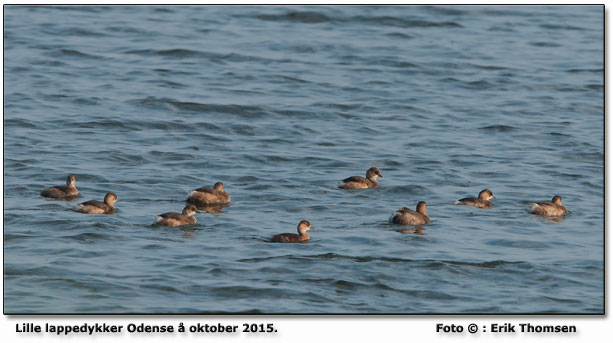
x,y
280,103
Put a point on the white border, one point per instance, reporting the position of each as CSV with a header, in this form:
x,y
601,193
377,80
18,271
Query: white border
x,y
311,329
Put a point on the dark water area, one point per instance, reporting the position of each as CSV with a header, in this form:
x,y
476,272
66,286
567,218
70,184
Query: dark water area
x,y
280,103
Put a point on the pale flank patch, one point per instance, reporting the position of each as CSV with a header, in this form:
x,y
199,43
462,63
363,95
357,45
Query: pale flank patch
x,y
88,209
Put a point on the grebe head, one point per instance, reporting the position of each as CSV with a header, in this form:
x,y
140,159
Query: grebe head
x,y
189,210
373,173
219,186
486,194
421,207
557,200
70,180
110,198
304,225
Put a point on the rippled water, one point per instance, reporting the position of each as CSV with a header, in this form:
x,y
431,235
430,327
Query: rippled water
x,y
280,103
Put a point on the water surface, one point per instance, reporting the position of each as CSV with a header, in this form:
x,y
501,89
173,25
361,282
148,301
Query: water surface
x,y
279,103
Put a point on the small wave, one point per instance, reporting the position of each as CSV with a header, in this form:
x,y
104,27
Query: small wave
x,y
153,247
595,70
55,222
187,106
395,63
399,35
594,87
8,237
17,122
444,10
89,9
244,130
166,289
588,156
561,27
517,244
497,128
73,31
545,44
126,159
276,158
450,80
181,53
405,23
427,263
170,84
171,156
18,165
563,300
291,79
86,101
246,179
479,84
346,107
37,271
487,67
352,285
75,53
497,28
85,283
276,141
172,53
308,17
246,292
316,17
192,268
126,30
170,104
430,295
256,187
168,126
107,124
408,189
89,237
308,48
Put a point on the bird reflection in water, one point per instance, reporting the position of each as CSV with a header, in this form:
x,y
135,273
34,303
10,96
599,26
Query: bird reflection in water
x,y
188,233
217,208
555,219
411,231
